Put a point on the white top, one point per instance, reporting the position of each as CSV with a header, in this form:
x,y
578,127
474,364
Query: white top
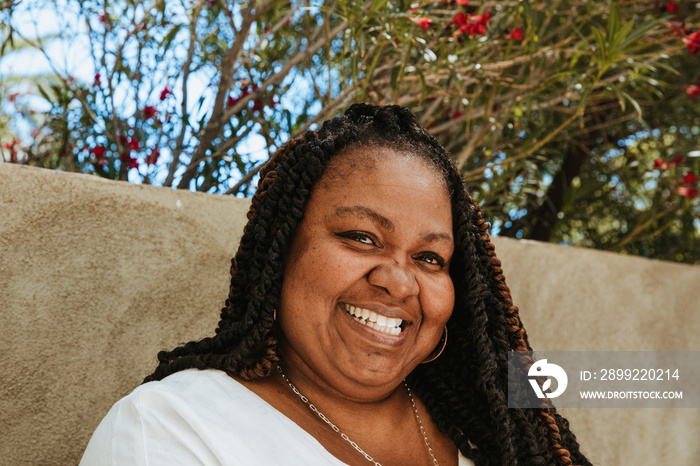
x,y
205,417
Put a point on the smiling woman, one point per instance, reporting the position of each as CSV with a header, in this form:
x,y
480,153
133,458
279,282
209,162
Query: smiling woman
x,y
368,320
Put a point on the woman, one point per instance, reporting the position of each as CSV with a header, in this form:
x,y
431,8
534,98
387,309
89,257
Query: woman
x,y
364,263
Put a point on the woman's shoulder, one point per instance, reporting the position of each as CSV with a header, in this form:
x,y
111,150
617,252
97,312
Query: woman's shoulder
x,y
191,386
195,417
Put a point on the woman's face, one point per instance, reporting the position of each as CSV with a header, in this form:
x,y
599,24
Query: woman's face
x,y
366,289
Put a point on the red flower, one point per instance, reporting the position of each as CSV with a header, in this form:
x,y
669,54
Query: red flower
x,y
516,34
690,193
97,80
475,27
671,7
133,162
693,90
424,23
679,28
134,144
677,160
463,2
460,19
483,18
658,163
99,151
456,114
693,43
690,178
231,101
129,142
165,93
152,157
149,112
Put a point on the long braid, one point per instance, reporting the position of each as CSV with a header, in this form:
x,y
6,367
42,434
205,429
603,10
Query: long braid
x,y
519,341
465,389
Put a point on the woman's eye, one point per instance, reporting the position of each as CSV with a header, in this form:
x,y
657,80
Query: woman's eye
x,y
359,237
432,259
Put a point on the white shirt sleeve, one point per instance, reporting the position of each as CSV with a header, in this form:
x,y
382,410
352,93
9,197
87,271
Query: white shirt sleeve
x,y
148,428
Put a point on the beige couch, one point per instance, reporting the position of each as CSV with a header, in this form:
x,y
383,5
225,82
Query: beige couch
x,y
96,277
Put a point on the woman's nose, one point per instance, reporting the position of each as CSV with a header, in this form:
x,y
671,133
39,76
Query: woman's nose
x,y
395,278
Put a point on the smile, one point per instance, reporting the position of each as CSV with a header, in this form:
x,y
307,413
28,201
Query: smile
x,y
388,325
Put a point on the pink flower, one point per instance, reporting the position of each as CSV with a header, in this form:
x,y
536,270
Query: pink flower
x,y
693,43
693,91
463,2
516,34
165,93
149,112
424,23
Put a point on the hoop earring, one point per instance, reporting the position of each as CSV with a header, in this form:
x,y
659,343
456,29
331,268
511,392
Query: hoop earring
x,y
436,353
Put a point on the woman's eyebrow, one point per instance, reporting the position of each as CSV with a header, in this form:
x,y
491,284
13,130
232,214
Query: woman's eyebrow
x,y
436,237
366,212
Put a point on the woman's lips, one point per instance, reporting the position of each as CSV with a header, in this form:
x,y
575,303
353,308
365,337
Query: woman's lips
x,y
388,325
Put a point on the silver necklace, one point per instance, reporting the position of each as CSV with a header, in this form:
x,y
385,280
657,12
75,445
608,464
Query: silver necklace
x,y
345,437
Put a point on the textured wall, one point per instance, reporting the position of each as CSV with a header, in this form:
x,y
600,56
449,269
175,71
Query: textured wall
x,y
96,277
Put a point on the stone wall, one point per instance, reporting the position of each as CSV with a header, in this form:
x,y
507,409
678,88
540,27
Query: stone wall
x,y
97,276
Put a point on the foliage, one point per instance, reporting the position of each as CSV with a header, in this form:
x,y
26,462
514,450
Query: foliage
x,y
572,121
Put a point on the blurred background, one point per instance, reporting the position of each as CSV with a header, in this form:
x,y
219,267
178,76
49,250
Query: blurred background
x,y
573,122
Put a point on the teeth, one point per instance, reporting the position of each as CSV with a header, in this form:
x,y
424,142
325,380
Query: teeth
x,y
391,322
390,325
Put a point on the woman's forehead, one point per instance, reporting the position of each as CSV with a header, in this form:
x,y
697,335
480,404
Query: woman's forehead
x,y
365,158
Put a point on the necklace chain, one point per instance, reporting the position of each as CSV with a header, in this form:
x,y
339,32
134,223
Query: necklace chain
x,y
344,436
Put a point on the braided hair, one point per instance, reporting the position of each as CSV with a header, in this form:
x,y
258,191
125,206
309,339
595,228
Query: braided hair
x,y
465,388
